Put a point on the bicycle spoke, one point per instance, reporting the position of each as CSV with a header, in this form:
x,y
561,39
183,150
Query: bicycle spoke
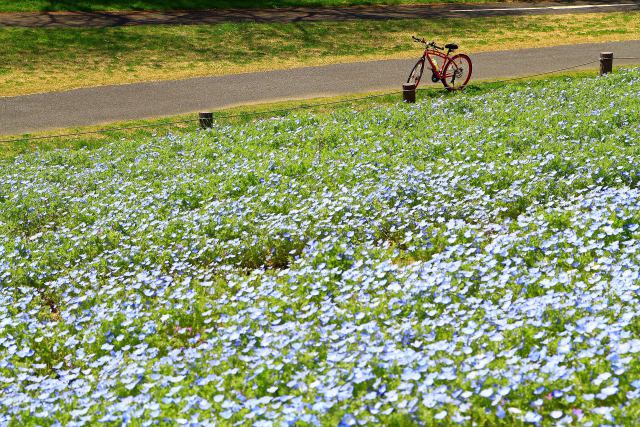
x,y
457,73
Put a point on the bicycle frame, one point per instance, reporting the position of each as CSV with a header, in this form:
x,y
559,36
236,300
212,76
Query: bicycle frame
x,y
438,71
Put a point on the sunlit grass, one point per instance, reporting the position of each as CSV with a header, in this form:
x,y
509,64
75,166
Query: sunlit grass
x,y
40,60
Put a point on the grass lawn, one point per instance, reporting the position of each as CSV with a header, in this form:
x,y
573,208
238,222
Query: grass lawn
x,y
87,5
40,60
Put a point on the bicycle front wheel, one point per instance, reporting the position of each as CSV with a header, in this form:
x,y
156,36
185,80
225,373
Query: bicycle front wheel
x,y
457,72
416,72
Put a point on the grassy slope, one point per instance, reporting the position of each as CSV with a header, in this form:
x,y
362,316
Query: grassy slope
x,y
87,5
38,60
14,145
487,244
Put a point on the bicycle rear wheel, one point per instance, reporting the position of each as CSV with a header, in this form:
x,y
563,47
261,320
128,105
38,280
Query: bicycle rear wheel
x,y
416,72
457,72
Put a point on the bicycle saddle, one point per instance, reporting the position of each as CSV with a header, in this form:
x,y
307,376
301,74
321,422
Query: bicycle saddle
x,y
451,46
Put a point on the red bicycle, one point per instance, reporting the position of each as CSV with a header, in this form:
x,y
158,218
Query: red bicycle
x,y
453,71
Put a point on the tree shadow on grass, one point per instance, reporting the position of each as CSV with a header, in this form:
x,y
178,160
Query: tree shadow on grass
x,y
88,5
93,6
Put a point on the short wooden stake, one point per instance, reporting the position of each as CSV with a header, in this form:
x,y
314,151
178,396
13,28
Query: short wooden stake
x,y
409,92
206,120
606,63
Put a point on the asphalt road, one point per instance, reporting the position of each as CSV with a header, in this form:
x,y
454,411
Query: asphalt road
x,y
105,104
306,14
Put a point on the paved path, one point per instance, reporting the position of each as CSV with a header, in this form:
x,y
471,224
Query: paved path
x,y
145,100
300,14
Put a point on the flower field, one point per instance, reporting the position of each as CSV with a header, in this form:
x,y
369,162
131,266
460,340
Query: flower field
x,y
469,259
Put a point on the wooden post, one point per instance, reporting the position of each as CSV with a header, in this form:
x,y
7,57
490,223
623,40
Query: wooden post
x,y
409,92
206,120
606,63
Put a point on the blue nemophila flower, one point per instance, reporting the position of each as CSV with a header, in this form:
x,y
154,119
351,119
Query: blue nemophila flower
x,y
247,275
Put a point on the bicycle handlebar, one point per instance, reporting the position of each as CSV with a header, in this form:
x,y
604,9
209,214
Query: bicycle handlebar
x,y
428,44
